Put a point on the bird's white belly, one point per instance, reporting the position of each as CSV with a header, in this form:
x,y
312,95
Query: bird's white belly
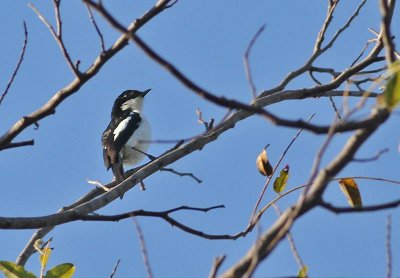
x,y
140,140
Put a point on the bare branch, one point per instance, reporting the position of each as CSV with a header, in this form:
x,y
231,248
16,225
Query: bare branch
x,y
318,157
345,26
371,208
143,248
290,239
21,58
247,67
17,145
335,108
181,174
368,178
98,184
96,27
57,34
375,157
388,246
387,7
115,269
362,52
329,16
216,265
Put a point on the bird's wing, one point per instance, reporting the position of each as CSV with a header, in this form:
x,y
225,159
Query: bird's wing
x,y
109,151
115,138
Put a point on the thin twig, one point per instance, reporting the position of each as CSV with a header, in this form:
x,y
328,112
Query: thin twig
x,y
57,34
115,268
290,239
362,52
388,246
368,178
163,215
98,184
345,26
21,58
329,16
207,124
371,208
274,201
216,265
246,62
320,153
103,48
335,108
181,174
143,248
151,157
375,157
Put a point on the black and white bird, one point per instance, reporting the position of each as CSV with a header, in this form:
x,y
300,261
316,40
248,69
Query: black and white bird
x,y
128,133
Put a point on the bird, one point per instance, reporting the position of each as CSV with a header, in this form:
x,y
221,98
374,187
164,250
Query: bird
x,y
127,136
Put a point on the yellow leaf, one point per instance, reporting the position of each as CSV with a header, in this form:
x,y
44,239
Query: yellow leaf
x,y
281,181
263,164
391,95
303,272
44,257
350,190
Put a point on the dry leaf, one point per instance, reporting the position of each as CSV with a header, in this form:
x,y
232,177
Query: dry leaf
x,y
263,164
350,190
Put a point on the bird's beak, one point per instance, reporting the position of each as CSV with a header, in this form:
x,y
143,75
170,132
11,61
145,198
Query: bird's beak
x,y
145,92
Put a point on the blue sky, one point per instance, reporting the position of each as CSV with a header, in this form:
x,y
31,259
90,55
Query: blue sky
x,y
206,40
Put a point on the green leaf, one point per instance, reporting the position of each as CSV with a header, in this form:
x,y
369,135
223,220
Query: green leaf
x,y
391,94
303,272
350,190
281,181
12,270
65,270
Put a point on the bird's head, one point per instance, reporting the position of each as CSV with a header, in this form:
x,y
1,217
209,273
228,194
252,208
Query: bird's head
x,y
129,101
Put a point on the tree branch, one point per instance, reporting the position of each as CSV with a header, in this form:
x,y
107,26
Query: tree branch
x,y
57,34
371,208
17,144
21,58
247,67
